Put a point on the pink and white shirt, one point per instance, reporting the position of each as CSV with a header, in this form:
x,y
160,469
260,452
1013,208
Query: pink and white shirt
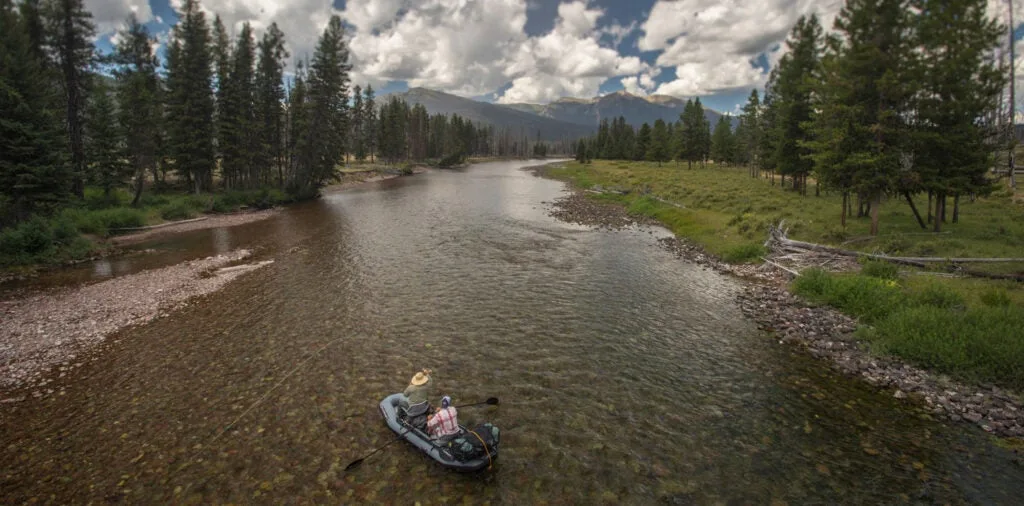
x,y
443,423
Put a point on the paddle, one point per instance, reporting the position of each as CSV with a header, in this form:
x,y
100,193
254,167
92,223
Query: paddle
x,y
493,401
355,463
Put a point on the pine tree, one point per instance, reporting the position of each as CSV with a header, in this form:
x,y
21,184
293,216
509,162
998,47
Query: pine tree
x,y
328,108
722,150
658,149
190,101
238,129
643,142
104,142
70,33
298,129
370,122
221,53
692,141
749,132
357,126
138,94
797,71
269,99
33,174
960,83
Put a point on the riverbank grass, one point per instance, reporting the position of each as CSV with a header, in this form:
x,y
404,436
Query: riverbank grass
x,y
723,208
77,232
931,323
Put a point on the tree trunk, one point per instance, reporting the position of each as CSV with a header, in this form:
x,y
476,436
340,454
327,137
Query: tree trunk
x,y
875,206
817,188
842,219
943,215
929,206
140,177
914,208
940,199
956,208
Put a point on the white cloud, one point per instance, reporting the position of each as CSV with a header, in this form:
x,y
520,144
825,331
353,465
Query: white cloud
x,y
712,43
618,32
109,15
642,84
567,61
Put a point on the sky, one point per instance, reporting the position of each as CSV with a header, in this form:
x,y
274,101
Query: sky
x,y
535,51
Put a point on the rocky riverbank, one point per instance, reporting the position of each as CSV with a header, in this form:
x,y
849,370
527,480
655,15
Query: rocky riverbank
x,y
824,332
55,328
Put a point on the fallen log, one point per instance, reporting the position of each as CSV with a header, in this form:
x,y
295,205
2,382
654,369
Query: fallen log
x,y
778,242
152,227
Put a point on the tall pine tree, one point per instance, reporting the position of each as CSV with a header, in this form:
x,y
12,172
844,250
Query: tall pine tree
x,y
959,83
104,141
33,173
270,97
658,149
70,34
190,98
139,97
797,72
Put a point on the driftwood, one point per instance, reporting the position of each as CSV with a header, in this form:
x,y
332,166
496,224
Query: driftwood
x,y
802,252
152,227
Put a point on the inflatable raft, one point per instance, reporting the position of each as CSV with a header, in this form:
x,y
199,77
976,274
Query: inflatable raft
x,y
389,409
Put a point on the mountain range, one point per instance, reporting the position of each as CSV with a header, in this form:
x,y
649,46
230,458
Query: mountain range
x,y
564,118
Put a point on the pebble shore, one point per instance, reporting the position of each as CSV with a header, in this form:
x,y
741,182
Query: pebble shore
x,y
55,328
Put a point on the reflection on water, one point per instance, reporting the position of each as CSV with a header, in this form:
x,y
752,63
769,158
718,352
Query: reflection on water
x,y
625,375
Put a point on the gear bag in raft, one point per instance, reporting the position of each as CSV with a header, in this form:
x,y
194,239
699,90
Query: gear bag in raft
x,y
467,446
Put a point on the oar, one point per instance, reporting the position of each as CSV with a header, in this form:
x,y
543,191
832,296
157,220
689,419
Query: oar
x,y
493,401
355,463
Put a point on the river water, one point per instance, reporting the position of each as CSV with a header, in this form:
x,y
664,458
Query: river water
x,y
625,375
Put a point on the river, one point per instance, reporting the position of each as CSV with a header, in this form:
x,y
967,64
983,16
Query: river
x,y
625,375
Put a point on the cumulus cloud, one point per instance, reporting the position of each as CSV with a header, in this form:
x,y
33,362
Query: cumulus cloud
x,y
453,45
567,61
109,15
642,84
713,43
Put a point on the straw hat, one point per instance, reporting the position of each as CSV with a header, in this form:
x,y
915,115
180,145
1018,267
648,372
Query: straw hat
x,y
419,379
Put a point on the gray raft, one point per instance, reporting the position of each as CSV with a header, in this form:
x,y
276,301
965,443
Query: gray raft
x,y
419,439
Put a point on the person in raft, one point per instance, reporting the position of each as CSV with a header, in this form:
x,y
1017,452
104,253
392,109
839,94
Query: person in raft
x,y
416,394
443,424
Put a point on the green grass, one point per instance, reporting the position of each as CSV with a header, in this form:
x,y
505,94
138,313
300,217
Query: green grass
x,y
725,208
930,323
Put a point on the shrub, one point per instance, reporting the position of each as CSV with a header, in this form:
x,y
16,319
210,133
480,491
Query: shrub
x,y
27,241
177,210
870,299
996,298
880,270
120,217
744,253
940,296
980,344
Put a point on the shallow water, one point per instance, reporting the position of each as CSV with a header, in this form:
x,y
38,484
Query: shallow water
x,y
625,375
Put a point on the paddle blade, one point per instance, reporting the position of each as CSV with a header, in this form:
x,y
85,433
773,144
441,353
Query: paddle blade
x,y
493,401
354,464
